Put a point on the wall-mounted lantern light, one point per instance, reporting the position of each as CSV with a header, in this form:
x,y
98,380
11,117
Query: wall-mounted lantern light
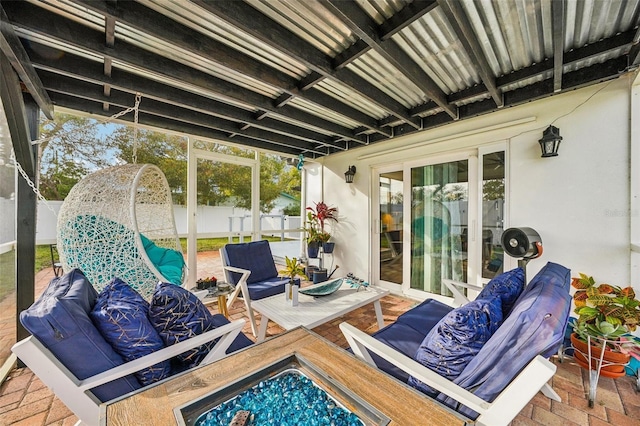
x,y
550,142
349,174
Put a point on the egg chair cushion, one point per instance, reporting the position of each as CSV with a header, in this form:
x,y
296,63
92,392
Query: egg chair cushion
x,y
167,261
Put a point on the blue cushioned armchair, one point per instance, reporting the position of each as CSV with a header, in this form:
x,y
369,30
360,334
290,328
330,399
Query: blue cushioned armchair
x,y
506,372
250,267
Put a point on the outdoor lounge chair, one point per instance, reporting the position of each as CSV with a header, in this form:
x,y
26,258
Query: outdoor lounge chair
x,y
506,372
75,360
251,268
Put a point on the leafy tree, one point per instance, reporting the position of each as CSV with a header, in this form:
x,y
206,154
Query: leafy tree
x,y
168,152
73,147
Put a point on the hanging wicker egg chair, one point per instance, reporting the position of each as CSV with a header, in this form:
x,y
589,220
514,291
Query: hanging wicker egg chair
x,y
119,222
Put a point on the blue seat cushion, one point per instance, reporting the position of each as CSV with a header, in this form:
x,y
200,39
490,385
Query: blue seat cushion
x,y
535,326
120,314
268,287
240,342
255,256
407,333
508,286
457,338
59,319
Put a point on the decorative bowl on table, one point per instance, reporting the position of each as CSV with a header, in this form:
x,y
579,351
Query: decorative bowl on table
x,y
322,289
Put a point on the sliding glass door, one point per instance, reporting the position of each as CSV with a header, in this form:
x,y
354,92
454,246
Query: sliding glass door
x,y
439,225
441,218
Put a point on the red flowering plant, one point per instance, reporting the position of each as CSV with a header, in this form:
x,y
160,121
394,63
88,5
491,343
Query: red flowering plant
x,y
206,283
318,217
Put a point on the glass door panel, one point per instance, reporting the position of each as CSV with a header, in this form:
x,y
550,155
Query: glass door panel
x,y
493,196
439,225
391,206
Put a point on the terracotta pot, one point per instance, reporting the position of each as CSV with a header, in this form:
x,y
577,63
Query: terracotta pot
x,y
618,360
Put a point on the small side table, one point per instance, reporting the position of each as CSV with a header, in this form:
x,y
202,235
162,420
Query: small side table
x,y
221,291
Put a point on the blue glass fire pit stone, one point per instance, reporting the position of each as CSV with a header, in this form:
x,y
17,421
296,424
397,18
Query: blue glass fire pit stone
x,y
287,399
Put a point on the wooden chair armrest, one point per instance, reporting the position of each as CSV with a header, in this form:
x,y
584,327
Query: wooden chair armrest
x,y
454,286
227,334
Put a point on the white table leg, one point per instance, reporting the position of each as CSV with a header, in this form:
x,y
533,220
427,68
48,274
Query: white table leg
x,y
262,333
379,317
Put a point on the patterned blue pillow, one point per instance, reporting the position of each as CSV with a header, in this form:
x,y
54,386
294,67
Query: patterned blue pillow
x,y
177,314
120,314
508,286
457,338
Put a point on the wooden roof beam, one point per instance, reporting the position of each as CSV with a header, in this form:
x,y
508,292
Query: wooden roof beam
x,y
17,56
170,71
364,27
246,18
558,30
83,69
158,25
461,25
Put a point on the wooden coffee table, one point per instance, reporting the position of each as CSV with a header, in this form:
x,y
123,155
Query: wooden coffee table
x,y
402,405
314,311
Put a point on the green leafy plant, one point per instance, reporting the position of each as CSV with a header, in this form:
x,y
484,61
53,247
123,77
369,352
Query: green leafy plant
x,y
294,269
604,311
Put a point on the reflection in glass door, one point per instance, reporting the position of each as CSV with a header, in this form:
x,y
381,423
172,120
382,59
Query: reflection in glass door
x,y
439,225
493,196
390,200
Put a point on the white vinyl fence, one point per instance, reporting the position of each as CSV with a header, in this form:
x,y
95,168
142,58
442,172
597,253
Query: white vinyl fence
x,y
212,222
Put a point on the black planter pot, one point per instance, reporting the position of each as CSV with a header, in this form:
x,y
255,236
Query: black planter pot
x,y
328,247
313,248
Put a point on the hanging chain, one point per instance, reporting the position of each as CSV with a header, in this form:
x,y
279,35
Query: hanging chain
x,y
135,127
31,184
105,121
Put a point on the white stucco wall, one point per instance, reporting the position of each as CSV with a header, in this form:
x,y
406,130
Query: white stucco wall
x,y
579,202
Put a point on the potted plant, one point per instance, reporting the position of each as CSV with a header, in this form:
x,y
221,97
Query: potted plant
x,y
320,215
294,269
312,236
605,314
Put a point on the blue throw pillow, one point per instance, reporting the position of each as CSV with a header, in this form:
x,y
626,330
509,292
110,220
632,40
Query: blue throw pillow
x,y
120,314
177,314
457,338
59,319
508,286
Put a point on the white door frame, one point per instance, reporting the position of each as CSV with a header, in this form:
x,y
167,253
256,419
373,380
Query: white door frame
x,y
193,155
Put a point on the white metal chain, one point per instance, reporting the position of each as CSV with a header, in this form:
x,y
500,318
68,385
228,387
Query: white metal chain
x,y
105,121
135,128
31,184
108,120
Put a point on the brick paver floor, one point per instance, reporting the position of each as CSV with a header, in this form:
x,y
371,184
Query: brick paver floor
x,y
24,400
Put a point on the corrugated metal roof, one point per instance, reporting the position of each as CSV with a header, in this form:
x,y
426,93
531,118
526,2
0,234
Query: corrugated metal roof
x,y
299,84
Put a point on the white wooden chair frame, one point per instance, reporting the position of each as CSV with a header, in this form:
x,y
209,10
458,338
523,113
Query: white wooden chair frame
x,y
241,286
499,412
76,394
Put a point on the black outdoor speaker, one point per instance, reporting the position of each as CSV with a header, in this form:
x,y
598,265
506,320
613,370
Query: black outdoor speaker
x,y
522,243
